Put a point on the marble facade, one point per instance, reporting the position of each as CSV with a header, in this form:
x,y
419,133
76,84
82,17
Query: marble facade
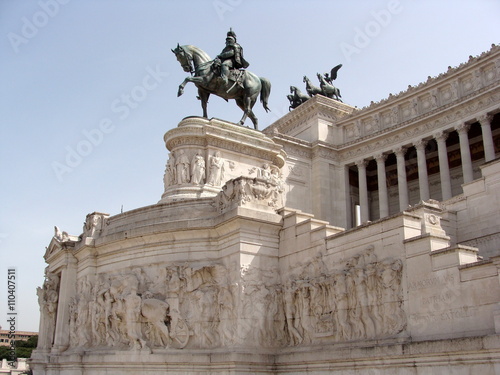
x,y
336,241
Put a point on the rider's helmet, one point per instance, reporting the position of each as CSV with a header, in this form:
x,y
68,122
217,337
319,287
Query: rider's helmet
x,y
231,34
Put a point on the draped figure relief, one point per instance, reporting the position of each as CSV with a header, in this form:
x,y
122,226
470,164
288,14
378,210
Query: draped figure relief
x,y
178,306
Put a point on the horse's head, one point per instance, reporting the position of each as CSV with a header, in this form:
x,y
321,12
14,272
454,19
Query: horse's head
x,y
305,79
184,58
293,89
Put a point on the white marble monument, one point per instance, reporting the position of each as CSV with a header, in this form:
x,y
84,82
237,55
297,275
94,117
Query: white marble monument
x,y
336,241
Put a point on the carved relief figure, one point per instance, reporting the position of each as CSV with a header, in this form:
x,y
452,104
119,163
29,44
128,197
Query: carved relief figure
x,y
73,315
414,107
179,306
434,98
361,301
94,224
48,297
169,177
198,170
216,170
132,320
390,289
182,168
477,79
341,316
395,115
156,312
227,316
455,87
61,236
291,314
83,334
172,297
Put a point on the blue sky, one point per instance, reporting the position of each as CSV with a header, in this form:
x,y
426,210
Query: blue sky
x,y
88,88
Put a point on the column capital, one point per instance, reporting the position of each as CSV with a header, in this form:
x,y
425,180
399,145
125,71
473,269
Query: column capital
x,y
462,128
380,157
441,136
420,145
362,163
399,151
485,119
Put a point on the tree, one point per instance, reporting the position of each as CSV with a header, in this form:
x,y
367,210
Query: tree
x,y
4,352
23,349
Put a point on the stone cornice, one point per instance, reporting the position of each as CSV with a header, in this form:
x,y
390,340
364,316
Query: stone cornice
x,y
201,132
406,135
448,90
325,150
293,146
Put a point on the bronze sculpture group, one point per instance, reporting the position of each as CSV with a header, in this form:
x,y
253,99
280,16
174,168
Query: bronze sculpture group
x,y
296,97
225,76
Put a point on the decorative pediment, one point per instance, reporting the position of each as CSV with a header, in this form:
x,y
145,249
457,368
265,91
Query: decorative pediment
x,y
60,241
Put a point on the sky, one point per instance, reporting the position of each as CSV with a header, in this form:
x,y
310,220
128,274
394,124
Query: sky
x,y
88,89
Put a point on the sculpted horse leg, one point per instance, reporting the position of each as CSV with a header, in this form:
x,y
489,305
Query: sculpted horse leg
x,y
337,95
248,103
252,116
195,80
181,87
254,119
240,102
203,95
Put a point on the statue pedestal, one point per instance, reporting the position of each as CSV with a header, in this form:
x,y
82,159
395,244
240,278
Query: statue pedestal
x,y
205,154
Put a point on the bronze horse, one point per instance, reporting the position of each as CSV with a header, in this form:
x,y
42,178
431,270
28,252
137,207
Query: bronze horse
x,y
310,88
328,89
205,77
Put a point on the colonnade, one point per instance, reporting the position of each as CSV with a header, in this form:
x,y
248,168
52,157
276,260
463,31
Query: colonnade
x,y
423,179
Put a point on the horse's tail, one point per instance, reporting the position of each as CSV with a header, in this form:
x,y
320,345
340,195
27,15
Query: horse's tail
x,y
265,91
338,92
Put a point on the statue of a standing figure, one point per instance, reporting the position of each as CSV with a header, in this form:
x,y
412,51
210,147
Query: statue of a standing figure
x,y
48,297
169,178
231,56
216,170
198,170
182,168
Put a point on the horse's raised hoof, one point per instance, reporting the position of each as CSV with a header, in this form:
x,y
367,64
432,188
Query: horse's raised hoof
x,y
180,92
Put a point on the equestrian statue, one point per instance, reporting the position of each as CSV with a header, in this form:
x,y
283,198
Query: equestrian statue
x,y
225,76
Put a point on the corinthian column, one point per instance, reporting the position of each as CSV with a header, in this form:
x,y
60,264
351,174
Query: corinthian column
x,y
363,190
402,183
444,169
462,131
382,186
423,179
489,147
